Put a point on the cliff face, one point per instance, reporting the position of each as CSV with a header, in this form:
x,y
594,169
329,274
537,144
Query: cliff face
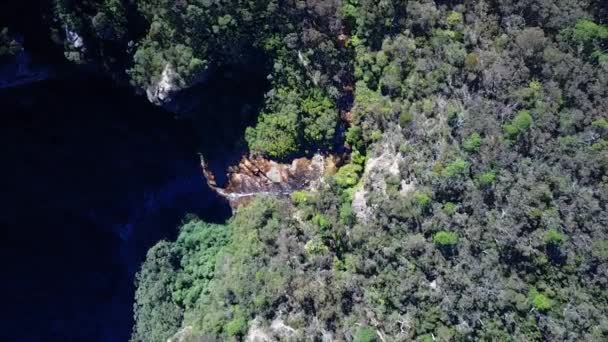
x,y
255,175
94,177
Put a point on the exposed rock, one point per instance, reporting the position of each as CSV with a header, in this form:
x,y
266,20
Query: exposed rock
x,y
74,39
167,90
160,92
279,328
406,187
385,162
183,335
255,175
257,334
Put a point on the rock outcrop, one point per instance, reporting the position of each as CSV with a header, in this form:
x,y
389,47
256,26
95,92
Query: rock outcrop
x,y
255,175
160,92
385,162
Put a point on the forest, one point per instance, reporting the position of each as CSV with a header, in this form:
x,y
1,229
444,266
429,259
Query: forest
x,y
472,201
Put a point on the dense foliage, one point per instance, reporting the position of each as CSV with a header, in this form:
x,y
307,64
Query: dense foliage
x,y
293,41
473,206
491,226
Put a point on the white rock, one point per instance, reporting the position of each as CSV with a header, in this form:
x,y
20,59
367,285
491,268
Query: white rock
x,y
73,38
160,92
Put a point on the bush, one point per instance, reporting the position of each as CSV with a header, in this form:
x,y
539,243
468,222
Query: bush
x,y
472,143
445,239
263,138
520,123
588,33
456,168
321,221
236,327
405,118
487,178
455,18
422,199
299,197
553,237
319,117
315,247
449,208
348,175
365,334
601,123
540,301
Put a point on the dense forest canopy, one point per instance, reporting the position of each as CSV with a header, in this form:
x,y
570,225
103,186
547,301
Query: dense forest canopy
x,y
473,204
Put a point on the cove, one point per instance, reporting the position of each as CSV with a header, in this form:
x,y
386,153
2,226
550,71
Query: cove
x,y
93,176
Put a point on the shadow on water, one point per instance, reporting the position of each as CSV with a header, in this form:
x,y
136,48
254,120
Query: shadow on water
x,y
220,110
93,176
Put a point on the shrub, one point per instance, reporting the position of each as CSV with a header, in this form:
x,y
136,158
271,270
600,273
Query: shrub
x,y
553,237
236,327
472,143
299,197
601,123
319,119
449,208
599,250
263,138
405,118
445,239
365,334
486,178
347,215
348,175
315,247
422,199
471,61
321,221
456,168
358,158
520,123
540,301
455,18
586,32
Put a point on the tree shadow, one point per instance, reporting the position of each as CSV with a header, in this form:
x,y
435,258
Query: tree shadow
x,y
220,110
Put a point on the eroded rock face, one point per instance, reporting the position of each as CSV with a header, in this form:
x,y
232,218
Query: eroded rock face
x,y
160,93
384,162
164,92
255,175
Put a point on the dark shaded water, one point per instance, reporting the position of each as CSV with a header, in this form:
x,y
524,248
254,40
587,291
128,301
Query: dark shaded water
x,y
92,176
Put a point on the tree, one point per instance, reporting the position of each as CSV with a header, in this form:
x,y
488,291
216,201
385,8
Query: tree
x,y
157,317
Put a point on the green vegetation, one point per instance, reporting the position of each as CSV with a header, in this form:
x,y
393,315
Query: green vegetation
x,y
449,208
348,175
483,214
365,334
520,123
472,143
456,168
445,239
540,301
487,178
299,197
422,199
553,237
